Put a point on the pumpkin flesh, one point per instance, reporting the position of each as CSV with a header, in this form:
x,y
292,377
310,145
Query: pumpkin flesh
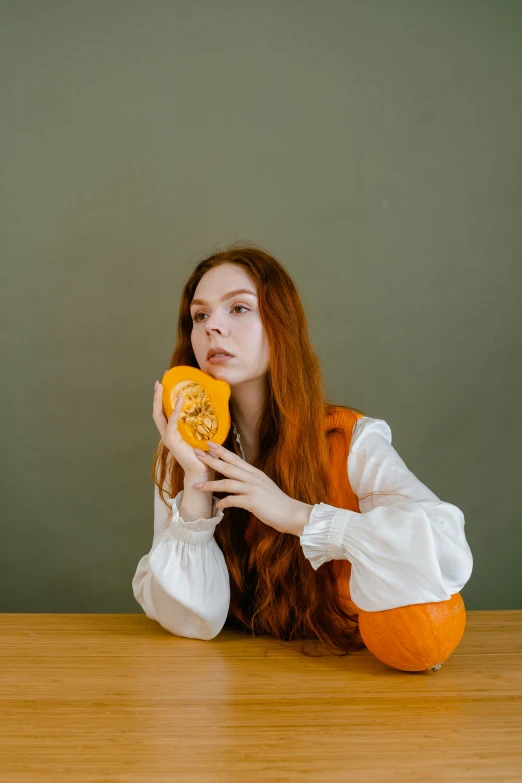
x,y
204,413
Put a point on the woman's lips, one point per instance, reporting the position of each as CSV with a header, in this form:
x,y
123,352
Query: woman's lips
x,y
219,359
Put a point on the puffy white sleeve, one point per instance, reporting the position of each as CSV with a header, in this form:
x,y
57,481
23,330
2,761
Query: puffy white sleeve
x,y
183,582
403,550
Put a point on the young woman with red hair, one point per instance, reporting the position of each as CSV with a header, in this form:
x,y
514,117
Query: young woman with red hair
x,y
306,511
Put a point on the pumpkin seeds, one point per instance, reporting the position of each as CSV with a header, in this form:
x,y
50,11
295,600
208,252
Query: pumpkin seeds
x,y
197,411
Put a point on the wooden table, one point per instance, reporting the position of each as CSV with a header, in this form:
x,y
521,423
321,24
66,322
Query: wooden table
x,y
115,697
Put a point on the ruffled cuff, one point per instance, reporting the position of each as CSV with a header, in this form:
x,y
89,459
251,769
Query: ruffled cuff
x,y
322,537
200,530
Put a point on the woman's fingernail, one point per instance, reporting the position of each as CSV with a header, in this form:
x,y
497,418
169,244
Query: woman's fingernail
x,y
156,385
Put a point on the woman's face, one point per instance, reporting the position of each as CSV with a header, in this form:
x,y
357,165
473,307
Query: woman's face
x,y
232,323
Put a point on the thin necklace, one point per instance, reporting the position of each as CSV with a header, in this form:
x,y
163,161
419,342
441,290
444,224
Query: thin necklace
x,y
236,435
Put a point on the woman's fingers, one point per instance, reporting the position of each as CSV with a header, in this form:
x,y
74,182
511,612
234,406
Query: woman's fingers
x,y
176,410
159,415
157,404
157,411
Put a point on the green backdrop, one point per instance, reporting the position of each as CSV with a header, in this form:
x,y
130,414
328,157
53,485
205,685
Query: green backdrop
x,y
373,147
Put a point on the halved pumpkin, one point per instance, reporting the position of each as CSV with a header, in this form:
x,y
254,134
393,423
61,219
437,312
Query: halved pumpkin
x,y
204,413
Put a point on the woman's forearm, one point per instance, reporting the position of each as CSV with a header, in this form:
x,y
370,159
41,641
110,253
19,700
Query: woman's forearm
x,y
196,504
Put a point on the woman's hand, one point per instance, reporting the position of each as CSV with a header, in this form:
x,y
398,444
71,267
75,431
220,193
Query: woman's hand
x,y
254,491
182,451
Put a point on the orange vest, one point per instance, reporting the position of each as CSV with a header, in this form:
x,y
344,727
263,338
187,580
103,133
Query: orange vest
x,y
339,425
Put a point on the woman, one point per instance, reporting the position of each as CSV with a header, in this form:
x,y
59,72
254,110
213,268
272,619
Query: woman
x,y
305,506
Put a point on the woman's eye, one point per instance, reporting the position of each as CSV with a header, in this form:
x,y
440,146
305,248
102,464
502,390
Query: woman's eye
x,y
195,318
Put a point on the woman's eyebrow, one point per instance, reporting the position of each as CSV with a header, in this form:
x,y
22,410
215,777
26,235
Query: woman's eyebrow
x,y
225,296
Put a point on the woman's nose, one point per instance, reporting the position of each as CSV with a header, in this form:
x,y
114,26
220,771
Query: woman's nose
x,y
212,324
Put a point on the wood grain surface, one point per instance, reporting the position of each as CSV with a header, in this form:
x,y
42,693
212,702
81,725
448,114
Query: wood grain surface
x,y
115,697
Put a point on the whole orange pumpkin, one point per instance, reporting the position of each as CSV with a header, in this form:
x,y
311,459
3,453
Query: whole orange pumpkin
x,y
414,638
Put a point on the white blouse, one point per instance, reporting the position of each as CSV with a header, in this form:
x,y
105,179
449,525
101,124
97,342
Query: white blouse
x,y
403,550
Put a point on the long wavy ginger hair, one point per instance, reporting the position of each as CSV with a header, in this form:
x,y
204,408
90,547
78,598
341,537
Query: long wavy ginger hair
x,y
274,590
